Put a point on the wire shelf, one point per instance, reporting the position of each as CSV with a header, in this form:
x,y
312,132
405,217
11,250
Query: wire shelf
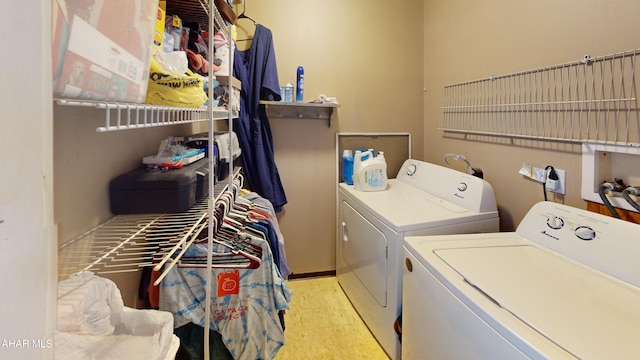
x,y
128,243
589,100
126,116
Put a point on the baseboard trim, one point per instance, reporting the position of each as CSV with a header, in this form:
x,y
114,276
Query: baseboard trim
x,y
311,275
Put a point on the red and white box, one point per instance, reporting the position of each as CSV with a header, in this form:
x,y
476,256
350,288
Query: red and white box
x,y
102,49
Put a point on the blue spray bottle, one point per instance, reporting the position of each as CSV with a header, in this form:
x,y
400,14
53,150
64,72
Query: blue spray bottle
x,y
300,84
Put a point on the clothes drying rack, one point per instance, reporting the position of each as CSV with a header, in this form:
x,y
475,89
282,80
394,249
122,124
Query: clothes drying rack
x,y
591,99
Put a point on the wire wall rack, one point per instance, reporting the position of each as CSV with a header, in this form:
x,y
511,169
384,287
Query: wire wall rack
x,y
126,116
588,100
127,243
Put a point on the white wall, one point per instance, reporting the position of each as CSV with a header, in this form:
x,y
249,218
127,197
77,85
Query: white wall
x,y
27,236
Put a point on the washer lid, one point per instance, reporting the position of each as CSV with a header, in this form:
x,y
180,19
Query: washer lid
x,y
587,313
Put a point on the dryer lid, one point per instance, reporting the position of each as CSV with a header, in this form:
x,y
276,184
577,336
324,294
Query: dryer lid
x,y
587,313
405,208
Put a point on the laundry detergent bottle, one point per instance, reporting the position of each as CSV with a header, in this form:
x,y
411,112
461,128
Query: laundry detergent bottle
x,y
369,174
347,167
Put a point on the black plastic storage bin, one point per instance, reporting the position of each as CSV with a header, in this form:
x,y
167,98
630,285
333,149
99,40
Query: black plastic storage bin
x,y
149,192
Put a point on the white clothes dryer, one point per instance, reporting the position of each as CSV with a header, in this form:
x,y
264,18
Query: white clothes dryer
x,y
564,285
423,199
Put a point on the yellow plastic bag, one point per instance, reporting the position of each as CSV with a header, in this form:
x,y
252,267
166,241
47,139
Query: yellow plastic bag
x,y
170,90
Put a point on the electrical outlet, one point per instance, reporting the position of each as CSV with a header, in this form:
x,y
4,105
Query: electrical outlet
x,y
557,186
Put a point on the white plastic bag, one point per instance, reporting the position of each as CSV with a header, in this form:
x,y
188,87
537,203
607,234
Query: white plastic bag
x,y
94,324
170,147
175,62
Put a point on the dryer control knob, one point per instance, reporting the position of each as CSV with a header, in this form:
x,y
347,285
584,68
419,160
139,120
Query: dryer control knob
x,y
585,233
411,169
555,222
462,186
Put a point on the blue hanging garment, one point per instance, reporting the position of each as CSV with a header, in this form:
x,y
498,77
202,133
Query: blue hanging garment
x,y
256,69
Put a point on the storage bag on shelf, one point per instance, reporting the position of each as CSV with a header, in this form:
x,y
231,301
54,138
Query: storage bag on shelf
x,y
169,89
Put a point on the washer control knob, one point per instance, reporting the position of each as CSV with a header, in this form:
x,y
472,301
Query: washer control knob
x,y
585,233
555,222
462,186
411,169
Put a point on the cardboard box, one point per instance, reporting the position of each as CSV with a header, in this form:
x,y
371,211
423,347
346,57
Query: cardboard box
x,y
159,34
102,49
236,86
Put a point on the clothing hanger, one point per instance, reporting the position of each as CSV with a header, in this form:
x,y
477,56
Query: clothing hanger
x,y
194,235
240,179
244,16
229,235
237,256
189,238
232,226
231,223
237,243
220,261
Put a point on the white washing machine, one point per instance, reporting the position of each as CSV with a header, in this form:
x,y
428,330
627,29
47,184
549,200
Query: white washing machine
x,y
564,285
423,199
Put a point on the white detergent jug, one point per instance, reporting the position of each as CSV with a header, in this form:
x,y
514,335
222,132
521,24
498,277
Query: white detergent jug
x,y
369,174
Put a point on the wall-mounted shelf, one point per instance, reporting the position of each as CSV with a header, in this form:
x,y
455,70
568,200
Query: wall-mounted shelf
x,y
591,99
125,116
128,243
300,110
